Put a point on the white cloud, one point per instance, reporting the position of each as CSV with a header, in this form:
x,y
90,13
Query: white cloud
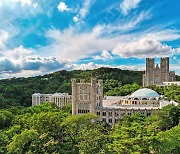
x,y
85,8
124,25
23,65
128,5
4,36
176,68
70,44
22,2
143,48
91,66
74,45
178,50
138,67
63,7
163,35
105,55
18,52
83,12
76,18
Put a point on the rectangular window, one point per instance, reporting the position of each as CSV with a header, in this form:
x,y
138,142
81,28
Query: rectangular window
x,y
98,113
85,97
104,119
116,120
81,97
110,120
110,114
104,113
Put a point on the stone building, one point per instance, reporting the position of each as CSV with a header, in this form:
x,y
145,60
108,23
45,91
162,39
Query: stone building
x,y
156,75
60,99
88,97
177,83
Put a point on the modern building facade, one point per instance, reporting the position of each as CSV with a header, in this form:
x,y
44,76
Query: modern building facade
x,y
156,75
60,99
88,97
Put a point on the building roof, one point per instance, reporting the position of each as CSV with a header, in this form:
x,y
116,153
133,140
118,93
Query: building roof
x,y
145,92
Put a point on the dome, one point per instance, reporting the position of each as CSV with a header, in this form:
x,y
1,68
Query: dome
x,y
145,92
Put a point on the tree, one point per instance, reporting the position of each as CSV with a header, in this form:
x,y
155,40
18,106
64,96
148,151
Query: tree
x,y
168,141
169,117
5,118
21,142
132,136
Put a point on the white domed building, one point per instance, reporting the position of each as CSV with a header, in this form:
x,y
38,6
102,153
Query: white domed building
x,y
141,98
88,97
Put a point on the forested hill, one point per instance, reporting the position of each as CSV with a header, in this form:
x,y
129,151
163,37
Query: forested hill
x,y
19,90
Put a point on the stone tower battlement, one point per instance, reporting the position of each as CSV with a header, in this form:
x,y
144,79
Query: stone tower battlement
x,y
86,96
157,75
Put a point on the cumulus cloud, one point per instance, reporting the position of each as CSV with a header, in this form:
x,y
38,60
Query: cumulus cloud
x,y
128,5
143,48
29,63
63,7
91,66
105,55
18,52
7,66
76,18
138,67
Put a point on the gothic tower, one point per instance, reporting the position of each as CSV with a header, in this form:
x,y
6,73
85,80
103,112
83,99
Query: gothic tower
x,y
149,71
157,75
164,66
86,97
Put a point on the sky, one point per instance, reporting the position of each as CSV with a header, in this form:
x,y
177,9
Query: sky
x,y
43,36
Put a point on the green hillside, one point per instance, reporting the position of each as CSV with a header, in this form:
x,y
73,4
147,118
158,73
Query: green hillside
x,y
19,90
117,82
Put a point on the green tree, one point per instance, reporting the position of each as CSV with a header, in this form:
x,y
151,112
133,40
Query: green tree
x,y
169,117
168,141
21,142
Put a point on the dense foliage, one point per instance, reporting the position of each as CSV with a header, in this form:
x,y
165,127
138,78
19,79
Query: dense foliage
x,y
50,129
18,91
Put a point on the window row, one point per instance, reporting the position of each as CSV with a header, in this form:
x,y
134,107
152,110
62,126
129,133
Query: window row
x,y
83,111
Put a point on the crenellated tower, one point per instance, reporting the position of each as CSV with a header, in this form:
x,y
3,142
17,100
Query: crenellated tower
x,y
157,75
86,97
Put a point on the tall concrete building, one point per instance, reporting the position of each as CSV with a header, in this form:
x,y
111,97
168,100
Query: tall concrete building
x,y
156,75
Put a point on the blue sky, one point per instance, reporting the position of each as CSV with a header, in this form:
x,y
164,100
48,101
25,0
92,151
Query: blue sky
x,y
40,36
